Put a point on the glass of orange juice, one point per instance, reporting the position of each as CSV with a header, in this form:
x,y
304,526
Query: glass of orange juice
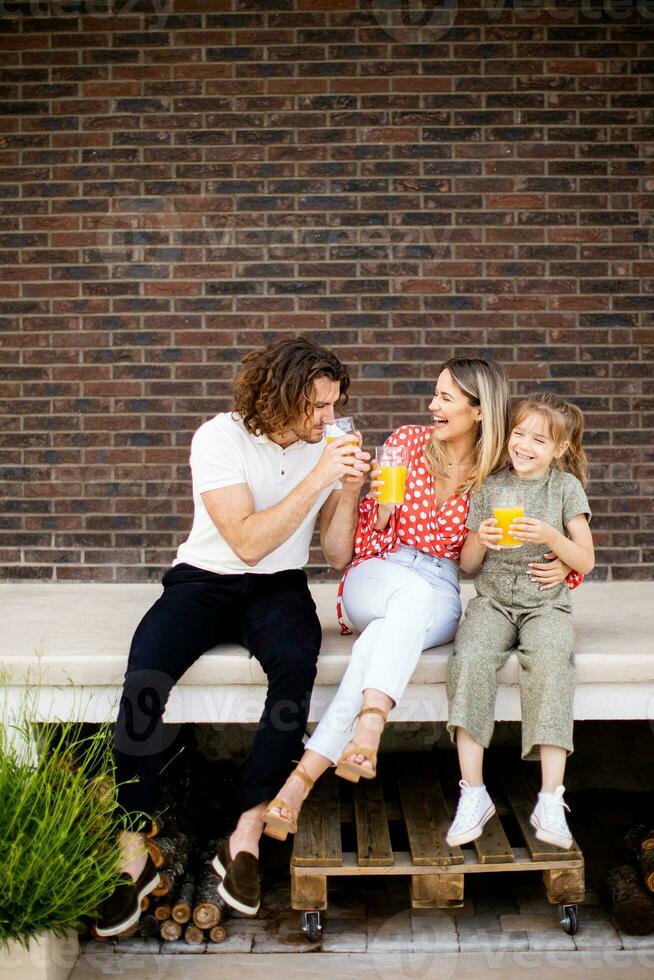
x,y
508,503
392,462
342,427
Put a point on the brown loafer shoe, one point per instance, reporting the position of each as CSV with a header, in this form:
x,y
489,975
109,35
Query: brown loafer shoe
x,y
222,858
123,907
239,888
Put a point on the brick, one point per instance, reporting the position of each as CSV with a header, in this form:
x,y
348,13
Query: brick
x,y
399,199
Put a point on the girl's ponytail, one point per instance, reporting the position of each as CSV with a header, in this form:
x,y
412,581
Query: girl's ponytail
x,y
574,459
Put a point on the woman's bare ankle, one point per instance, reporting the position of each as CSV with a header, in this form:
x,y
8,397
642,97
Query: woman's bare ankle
x,y
295,791
369,732
300,788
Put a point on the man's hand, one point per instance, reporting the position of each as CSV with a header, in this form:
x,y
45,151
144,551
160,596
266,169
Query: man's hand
x,y
548,573
489,534
353,484
339,461
338,517
532,531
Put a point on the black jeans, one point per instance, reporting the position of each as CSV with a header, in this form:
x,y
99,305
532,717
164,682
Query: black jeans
x,y
274,616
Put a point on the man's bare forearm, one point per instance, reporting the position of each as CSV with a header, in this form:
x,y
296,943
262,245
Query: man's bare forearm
x,y
338,542
265,530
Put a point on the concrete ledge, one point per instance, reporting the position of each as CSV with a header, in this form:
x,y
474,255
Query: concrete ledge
x,y
71,642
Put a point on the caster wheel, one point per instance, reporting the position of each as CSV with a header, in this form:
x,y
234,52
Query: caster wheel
x,y
569,919
312,926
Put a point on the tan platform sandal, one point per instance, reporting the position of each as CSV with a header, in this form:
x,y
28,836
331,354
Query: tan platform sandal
x,y
354,771
277,826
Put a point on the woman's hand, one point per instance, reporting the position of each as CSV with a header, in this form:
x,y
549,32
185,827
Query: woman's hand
x,y
532,531
377,483
548,573
384,511
489,534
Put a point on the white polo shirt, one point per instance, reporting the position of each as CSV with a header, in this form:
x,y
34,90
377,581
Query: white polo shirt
x,y
224,453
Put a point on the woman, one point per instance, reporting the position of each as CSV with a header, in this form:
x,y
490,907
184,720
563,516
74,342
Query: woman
x,y
402,590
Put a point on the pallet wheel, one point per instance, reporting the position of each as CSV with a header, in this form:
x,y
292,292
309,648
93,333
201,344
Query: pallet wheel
x,y
569,919
312,926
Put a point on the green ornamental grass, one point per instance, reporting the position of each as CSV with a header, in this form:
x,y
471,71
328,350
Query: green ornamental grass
x,y
58,824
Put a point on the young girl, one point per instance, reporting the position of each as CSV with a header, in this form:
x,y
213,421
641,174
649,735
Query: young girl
x,y
548,466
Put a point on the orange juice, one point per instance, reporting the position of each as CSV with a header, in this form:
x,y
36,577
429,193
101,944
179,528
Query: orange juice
x,y
342,427
504,516
354,442
394,478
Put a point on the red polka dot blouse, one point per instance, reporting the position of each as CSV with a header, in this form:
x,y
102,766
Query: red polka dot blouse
x,y
418,521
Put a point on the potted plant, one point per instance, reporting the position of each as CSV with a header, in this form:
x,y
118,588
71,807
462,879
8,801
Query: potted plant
x,y
58,856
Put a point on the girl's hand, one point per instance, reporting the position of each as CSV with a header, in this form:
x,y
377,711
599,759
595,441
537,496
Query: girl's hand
x,y
489,534
532,531
548,574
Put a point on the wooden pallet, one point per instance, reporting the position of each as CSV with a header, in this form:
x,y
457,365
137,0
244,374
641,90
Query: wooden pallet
x,y
406,804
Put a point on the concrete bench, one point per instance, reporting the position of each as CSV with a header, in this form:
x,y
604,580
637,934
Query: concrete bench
x,y
68,644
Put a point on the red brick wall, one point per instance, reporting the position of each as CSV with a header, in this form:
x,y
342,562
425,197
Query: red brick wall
x,y
181,186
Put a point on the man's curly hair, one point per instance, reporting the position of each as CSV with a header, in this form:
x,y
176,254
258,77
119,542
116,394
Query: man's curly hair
x,y
274,387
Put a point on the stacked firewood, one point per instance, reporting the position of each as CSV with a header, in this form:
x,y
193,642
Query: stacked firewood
x,y
185,905
197,805
630,886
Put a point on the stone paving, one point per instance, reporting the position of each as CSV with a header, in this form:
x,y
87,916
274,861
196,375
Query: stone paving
x,y
499,915
502,912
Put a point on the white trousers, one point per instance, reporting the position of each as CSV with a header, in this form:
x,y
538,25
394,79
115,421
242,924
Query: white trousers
x,y
401,605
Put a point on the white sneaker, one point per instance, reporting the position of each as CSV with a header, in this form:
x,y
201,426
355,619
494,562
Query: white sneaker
x,y
548,819
474,810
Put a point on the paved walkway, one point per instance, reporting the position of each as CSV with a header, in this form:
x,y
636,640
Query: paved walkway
x,y
382,966
500,915
505,917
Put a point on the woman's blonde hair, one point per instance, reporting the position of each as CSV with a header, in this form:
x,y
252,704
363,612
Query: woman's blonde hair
x,y
566,424
485,384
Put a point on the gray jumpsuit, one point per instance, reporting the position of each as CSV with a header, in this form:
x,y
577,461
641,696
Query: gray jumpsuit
x,y
508,611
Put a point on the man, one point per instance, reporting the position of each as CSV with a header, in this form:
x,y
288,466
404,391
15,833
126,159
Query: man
x,y
262,475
